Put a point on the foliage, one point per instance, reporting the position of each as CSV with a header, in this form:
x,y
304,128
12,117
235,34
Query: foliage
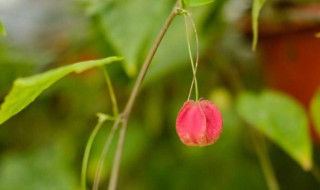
x,y
315,110
49,138
25,90
195,3
282,119
2,30
256,8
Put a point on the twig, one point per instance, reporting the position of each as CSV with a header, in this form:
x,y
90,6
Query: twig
x,y
117,159
194,66
149,58
111,92
104,153
134,93
265,162
124,116
101,120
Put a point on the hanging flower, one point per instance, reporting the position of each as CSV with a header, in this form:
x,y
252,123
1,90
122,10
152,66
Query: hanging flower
x,y
199,123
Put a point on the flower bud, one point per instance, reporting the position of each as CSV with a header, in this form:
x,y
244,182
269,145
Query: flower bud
x,y
199,123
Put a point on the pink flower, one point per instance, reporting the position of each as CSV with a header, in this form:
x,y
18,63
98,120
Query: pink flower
x,y
199,123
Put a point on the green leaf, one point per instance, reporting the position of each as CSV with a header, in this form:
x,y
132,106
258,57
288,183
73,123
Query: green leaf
x,y
315,110
133,34
256,8
2,30
26,90
280,118
196,3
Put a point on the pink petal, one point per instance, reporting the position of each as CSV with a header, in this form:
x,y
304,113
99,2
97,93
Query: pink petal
x,y
191,124
213,120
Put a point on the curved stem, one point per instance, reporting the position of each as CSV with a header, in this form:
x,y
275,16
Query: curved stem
x,y
111,92
117,159
101,120
104,153
194,66
149,58
265,162
124,116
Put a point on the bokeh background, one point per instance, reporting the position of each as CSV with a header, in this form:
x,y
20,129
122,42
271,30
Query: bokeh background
x,y
42,147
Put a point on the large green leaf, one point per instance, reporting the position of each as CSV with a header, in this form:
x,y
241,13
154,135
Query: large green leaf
x,y
131,26
256,8
2,30
26,90
280,118
196,3
134,35
315,110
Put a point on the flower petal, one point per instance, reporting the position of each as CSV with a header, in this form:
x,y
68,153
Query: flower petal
x,y
191,124
213,120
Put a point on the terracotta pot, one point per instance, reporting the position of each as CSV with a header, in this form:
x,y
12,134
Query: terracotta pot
x,y
290,54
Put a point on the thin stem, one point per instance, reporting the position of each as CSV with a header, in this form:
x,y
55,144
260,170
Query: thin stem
x,y
104,153
149,58
128,108
101,120
117,159
111,92
194,66
316,173
265,162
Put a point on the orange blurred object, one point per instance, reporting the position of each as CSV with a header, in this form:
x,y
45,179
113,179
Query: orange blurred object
x,y
290,55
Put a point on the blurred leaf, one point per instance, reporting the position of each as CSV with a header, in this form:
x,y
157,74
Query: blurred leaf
x,y
315,110
136,143
171,54
256,8
196,3
282,119
165,61
2,30
46,168
135,34
26,90
318,35
132,35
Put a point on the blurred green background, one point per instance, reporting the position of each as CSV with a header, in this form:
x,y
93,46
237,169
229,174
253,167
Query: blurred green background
x,y
42,147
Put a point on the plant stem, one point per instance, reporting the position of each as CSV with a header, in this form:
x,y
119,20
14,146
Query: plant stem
x,y
101,120
149,58
104,153
111,92
194,66
262,152
124,116
117,159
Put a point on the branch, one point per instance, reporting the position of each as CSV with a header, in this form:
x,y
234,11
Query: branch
x,y
124,116
126,113
149,58
117,159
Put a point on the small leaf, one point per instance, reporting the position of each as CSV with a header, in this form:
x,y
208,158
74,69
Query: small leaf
x,y
196,3
282,119
256,8
26,90
315,110
2,30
